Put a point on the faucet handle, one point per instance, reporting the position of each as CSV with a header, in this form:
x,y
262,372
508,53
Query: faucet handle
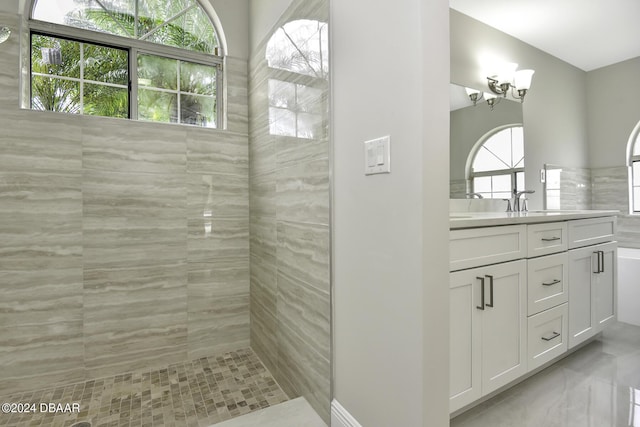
x,y
508,205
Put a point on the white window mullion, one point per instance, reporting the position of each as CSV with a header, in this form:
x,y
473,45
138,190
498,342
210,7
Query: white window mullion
x,y
81,78
179,110
133,79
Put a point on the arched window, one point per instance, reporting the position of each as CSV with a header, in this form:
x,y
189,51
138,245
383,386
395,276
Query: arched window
x,y
297,55
634,172
497,163
153,60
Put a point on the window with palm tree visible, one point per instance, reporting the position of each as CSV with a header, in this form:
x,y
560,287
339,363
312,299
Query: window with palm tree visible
x,y
497,165
154,60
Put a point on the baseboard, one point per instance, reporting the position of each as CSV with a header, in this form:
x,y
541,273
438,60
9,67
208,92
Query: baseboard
x,y
340,417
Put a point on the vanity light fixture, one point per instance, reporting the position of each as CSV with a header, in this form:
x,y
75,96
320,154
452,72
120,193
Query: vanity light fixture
x,y
474,95
509,78
492,99
5,32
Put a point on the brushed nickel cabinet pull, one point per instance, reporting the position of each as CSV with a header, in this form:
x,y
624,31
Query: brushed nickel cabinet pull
x,y
550,239
552,336
481,306
490,290
555,282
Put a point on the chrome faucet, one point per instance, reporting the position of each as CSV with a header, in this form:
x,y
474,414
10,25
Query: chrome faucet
x,y
516,202
472,195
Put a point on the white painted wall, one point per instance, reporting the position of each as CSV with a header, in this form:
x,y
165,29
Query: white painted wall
x,y
554,111
263,14
234,17
613,111
390,232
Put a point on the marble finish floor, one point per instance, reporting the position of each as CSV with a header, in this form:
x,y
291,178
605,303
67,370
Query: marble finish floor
x,y
198,393
597,386
294,413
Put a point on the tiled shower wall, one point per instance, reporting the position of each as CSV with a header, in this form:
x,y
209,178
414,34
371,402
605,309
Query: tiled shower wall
x,y
611,191
124,245
289,198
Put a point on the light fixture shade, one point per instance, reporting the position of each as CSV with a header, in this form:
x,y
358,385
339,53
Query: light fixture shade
x,y
506,73
489,96
471,91
522,79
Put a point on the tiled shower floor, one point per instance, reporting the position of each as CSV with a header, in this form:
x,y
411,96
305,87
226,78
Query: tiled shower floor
x,y
197,393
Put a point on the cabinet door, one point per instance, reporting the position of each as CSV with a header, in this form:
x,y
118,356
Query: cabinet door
x,y
604,286
504,329
464,341
582,265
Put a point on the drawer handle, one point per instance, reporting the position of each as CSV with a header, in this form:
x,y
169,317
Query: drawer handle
x,y
551,239
553,336
555,282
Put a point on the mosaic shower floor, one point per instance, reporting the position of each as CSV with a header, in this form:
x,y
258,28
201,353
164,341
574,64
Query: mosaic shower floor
x,y
191,394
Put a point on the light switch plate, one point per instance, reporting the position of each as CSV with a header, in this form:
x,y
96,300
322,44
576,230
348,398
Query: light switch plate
x,y
377,156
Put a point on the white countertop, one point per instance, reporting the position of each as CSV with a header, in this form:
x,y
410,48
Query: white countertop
x,y
489,219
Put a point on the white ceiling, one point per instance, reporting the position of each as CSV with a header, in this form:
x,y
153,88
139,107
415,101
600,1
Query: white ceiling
x,y
588,34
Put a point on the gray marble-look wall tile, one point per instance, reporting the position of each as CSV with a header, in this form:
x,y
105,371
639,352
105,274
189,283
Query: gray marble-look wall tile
x,y
33,355
302,192
303,253
40,221
458,189
223,326
291,151
217,152
575,188
128,146
307,312
40,296
262,158
610,190
217,196
134,317
237,108
133,219
211,239
218,306
53,145
303,371
262,195
264,310
264,285
263,238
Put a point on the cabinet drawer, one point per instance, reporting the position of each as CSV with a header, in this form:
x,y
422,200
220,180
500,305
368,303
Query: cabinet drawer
x,y
585,232
483,246
547,335
547,238
547,282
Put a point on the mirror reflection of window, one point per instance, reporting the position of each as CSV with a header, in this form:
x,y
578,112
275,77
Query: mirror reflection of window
x,y
297,55
635,173
552,187
498,164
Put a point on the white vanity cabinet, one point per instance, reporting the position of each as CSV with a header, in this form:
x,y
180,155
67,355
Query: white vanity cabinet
x,y
488,308
523,294
592,277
